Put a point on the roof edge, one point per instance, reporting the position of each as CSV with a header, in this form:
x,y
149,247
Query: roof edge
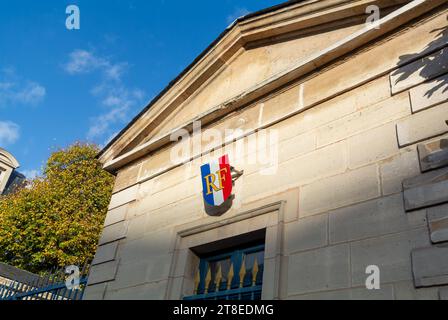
x,y
370,33
194,62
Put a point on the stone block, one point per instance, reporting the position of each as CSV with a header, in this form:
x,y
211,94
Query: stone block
x,y
320,269
426,190
183,190
296,147
385,293
298,171
372,146
173,177
405,290
430,266
123,197
129,275
340,106
437,213
155,243
443,294
126,177
307,233
149,291
104,272
339,191
180,212
391,253
156,163
136,227
439,230
426,195
95,292
433,155
291,209
394,170
372,219
156,268
429,94
423,125
105,253
438,223
427,178
114,232
116,215
381,113
417,72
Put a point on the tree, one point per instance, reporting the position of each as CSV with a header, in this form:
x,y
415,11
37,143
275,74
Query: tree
x,y
57,219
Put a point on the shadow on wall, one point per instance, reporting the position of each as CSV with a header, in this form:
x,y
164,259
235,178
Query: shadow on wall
x,y
434,61
430,63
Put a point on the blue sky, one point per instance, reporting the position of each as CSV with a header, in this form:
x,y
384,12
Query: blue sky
x,y
58,86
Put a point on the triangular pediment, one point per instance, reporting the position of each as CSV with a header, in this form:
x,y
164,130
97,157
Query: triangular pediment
x,y
256,54
247,68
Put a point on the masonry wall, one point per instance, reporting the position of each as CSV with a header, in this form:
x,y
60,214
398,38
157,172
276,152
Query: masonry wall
x,y
361,176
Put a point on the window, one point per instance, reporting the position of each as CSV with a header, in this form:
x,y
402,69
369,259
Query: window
x,y
232,275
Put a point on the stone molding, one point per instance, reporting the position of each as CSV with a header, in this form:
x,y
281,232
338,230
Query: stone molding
x,y
269,217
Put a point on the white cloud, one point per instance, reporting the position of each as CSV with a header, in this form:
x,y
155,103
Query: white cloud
x,y
9,133
30,174
119,100
82,61
6,86
32,93
115,71
101,124
112,93
237,13
15,90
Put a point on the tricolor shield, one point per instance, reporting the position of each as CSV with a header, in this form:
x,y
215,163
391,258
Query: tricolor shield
x,y
217,181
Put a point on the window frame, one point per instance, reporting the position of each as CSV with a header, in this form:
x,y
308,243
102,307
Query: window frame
x,y
269,217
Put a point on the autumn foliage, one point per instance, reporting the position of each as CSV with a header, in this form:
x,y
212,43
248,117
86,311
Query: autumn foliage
x,y
56,221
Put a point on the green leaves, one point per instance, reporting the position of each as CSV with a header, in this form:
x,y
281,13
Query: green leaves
x,y
57,220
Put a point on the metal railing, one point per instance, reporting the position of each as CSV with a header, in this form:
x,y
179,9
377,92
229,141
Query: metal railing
x,y
49,287
237,275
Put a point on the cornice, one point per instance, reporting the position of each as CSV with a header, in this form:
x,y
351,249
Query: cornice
x,y
290,18
296,71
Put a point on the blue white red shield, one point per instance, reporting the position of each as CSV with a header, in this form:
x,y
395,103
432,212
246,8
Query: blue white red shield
x,y
217,181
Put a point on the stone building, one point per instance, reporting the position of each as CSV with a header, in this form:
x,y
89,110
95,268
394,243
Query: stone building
x,y
10,179
339,156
